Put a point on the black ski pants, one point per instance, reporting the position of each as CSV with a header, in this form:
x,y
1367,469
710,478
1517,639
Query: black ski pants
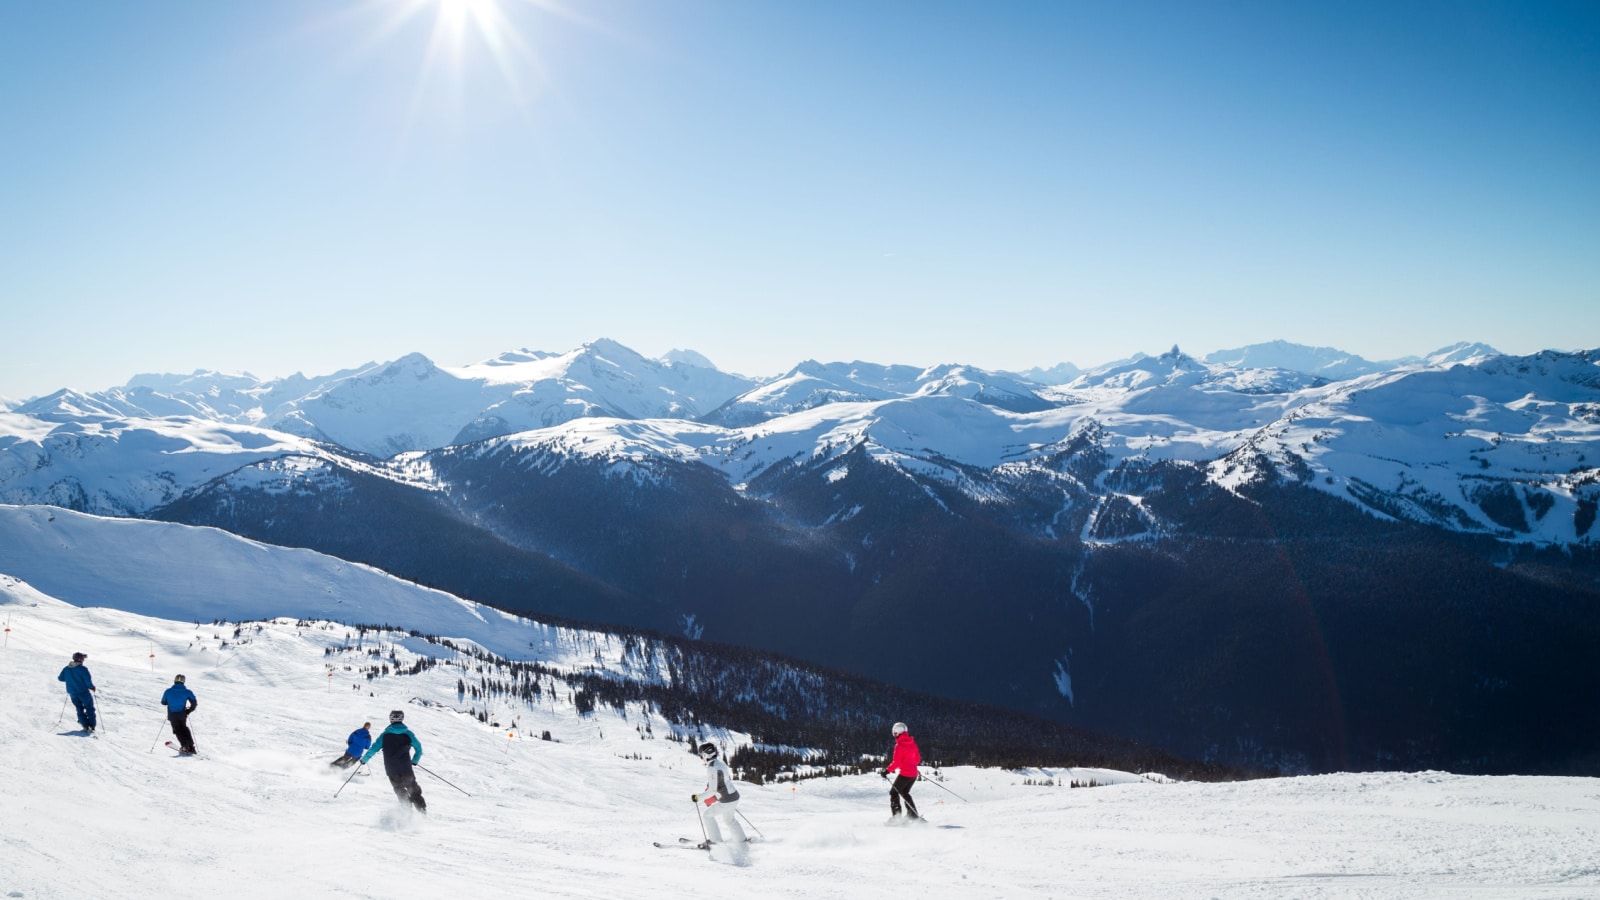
x,y
180,729
901,789
406,788
84,704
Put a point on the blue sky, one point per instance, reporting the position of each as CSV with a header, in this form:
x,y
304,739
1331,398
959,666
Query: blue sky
x,y
303,185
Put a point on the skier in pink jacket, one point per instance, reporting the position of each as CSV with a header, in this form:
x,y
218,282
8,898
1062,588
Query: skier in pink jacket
x,y
903,766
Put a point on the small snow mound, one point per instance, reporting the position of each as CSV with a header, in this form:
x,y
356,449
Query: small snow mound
x,y
731,854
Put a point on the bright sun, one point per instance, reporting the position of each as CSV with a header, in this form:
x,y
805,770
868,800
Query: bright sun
x,y
457,12
464,34
465,28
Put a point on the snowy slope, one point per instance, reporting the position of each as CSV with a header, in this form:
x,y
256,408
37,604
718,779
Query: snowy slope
x,y
257,815
199,574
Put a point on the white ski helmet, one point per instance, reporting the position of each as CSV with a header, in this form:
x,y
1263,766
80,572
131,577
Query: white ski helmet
x,y
898,729
397,716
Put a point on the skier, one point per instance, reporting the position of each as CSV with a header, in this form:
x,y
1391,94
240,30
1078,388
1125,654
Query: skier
x,y
80,687
180,701
354,745
903,766
394,741
720,798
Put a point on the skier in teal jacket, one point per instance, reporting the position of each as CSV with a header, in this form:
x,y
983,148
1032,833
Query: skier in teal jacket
x,y
401,750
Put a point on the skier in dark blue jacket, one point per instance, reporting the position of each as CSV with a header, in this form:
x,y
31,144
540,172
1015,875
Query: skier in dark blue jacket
x,y
80,687
355,745
401,751
180,701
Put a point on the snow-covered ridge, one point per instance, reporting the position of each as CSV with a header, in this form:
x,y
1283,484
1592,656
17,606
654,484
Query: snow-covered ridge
x,y
126,465
1439,440
199,574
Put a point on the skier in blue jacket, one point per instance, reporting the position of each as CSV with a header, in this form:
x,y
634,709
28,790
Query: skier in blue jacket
x,y
401,751
355,745
80,687
180,701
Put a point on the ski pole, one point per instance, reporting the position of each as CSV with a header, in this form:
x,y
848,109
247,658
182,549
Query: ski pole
x,y
941,787
437,775
347,780
61,715
158,735
750,823
702,817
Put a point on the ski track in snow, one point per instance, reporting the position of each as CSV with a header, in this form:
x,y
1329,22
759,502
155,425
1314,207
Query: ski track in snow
x,y
256,816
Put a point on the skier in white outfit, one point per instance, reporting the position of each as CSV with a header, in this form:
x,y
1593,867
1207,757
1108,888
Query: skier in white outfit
x,y
719,801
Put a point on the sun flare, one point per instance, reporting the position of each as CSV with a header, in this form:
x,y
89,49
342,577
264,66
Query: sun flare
x,y
461,34
458,13
469,53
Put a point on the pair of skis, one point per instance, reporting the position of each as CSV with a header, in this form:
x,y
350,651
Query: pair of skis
x,y
180,750
692,844
684,844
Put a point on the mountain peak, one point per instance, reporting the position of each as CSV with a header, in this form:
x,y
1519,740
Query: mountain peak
x,y
1322,362
614,350
1460,351
688,358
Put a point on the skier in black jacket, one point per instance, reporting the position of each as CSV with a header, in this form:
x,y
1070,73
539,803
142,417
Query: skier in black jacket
x,y
180,701
401,751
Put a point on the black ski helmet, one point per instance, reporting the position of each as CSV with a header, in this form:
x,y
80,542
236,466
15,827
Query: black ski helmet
x,y
708,751
397,716
177,679
79,657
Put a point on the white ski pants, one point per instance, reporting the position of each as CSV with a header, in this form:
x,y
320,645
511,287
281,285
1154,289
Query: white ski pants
x,y
722,823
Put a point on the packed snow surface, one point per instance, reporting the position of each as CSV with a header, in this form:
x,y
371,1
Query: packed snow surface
x,y
256,816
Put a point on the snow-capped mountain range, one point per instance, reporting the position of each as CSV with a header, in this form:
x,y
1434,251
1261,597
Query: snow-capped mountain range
x,y
1429,439
412,404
